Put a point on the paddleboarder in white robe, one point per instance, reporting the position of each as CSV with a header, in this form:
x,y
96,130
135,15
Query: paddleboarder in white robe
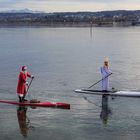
x,y
105,72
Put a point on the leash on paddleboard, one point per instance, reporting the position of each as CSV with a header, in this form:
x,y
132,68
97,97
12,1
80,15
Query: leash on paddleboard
x,y
99,81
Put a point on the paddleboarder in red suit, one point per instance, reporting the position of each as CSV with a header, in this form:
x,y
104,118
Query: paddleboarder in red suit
x,y
22,83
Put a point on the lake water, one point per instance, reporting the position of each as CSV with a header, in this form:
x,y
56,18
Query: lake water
x,y
62,60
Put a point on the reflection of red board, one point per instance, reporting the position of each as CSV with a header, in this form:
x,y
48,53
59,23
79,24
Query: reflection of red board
x,y
41,104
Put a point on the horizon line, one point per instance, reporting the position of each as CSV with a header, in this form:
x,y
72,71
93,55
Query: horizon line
x,y
2,11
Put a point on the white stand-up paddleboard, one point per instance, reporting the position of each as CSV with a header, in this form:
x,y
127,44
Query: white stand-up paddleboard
x,y
124,93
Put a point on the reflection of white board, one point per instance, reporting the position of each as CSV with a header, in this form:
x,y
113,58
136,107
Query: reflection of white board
x,y
125,93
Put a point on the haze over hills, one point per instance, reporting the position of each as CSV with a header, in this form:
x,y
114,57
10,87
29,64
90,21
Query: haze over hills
x,y
107,13
26,10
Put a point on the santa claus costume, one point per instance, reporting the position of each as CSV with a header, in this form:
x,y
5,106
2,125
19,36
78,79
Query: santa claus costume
x,y
22,83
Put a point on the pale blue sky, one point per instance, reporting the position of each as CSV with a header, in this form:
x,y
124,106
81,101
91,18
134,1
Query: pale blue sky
x,y
70,5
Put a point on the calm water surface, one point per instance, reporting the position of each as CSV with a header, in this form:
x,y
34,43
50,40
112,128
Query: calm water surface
x,y
64,59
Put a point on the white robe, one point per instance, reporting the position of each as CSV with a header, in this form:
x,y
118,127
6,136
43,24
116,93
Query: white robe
x,y
105,82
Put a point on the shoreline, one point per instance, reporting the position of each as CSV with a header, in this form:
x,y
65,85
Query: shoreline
x,y
53,25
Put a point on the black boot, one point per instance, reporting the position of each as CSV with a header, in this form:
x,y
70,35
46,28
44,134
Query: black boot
x,y
20,99
23,99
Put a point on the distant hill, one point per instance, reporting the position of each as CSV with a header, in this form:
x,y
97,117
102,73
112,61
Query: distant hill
x,y
26,10
103,13
100,13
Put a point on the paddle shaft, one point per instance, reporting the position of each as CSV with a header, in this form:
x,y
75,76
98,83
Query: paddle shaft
x,y
100,80
29,86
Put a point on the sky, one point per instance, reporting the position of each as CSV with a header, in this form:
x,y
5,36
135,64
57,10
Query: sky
x,y
70,5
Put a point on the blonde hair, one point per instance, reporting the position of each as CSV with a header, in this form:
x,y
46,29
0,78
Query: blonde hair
x,y
106,60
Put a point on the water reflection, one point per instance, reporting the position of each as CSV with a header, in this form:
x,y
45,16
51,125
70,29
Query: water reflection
x,y
106,111
24,122
91,32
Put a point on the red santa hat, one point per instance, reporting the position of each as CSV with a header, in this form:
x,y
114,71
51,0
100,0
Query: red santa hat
x,y
24,68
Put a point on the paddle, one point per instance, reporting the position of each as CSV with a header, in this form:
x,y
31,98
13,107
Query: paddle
x,y
29,85
100,80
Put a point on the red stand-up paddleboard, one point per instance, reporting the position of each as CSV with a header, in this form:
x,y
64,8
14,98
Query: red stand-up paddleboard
x,y
40,104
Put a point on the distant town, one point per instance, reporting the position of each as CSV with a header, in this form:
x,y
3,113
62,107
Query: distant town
x,y
70,19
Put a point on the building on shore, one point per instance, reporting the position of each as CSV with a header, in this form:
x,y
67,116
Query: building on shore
x,y
122,23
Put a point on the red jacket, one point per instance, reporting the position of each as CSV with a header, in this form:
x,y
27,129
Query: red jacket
x,y
21,87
